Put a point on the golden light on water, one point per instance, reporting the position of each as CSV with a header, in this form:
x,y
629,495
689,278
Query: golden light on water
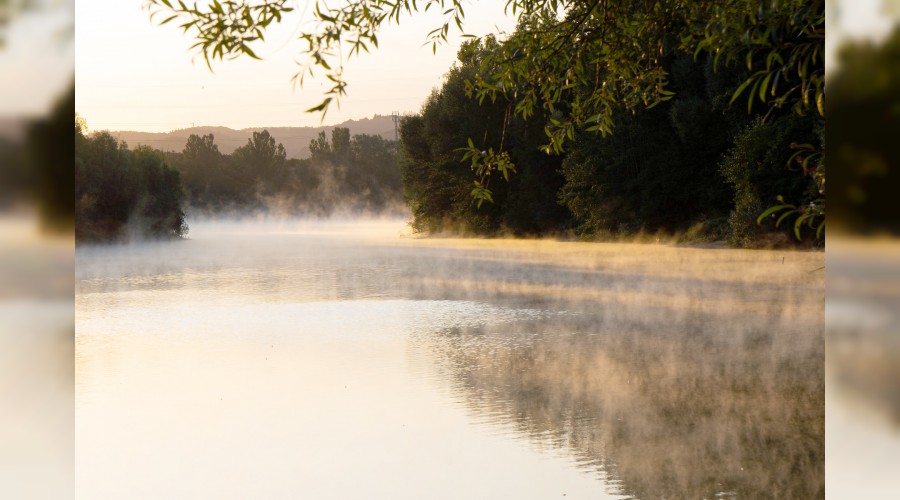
x,y
300,352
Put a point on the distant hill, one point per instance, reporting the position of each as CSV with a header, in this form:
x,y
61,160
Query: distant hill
x,y
295,139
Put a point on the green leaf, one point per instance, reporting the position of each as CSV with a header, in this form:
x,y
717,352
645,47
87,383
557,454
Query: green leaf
x,y
763,87
771,210
797,225
740,89
247,50
783,216
322,106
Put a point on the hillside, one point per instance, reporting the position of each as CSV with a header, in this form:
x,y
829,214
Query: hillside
x,y
295,139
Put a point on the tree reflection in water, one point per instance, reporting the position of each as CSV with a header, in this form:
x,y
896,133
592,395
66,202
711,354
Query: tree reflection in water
x,y
668,402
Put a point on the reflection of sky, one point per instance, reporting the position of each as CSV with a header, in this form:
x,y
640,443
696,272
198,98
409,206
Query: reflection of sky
x,y
863,364
270,400
355,363
36,352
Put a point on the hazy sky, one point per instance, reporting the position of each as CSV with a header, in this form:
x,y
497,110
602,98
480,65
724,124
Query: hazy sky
x,y
133,75
36,62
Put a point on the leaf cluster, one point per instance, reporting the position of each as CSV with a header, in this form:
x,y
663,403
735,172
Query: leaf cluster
x,y
223,30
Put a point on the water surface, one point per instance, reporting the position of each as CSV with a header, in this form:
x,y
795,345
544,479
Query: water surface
x,y
350,360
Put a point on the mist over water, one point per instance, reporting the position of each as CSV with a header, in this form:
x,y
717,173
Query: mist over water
x,y
350,359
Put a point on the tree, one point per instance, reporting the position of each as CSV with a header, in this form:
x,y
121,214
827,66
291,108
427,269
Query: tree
x,y
157,209
199,162
339,147
49,142
122,194
617,46
578,61
262,160
356,172
865,117
438,185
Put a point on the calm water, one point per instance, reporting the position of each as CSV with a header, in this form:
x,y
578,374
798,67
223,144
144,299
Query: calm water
x,y
348,360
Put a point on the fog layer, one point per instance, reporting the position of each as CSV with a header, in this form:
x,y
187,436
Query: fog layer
x,y
280,358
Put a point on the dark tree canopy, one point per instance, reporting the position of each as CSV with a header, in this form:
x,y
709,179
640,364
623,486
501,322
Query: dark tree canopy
x,y
693,166
122,194
864,116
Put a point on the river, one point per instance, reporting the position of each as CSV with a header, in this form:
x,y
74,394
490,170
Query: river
x,y
354,360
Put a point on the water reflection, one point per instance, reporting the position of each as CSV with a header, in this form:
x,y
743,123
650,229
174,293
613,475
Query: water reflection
x,y
698,386
277,363
671,410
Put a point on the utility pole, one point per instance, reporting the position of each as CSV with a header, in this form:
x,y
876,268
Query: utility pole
x,y
396,117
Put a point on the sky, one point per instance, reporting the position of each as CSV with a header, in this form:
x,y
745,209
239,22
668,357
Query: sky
x,y
857,19
132,75
36,60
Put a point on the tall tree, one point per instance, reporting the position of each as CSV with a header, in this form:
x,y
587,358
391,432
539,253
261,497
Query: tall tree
x,y
263,160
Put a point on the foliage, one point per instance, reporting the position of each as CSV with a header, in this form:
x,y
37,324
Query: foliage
x,y
261,162
483,163
437,179
122,194
618,47
575,67
782,44
346,173
864,116
687,166
49,141
603,57
360,172
202,167
226,29
755,169
658,171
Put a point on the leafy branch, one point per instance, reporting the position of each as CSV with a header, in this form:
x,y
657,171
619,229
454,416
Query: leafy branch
x,y
806,214
811,161
223,30
484,163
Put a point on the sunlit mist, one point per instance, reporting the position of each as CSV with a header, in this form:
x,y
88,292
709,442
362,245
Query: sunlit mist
x,y
268,358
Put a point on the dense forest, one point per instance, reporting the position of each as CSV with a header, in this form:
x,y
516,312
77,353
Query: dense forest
x,y
694,165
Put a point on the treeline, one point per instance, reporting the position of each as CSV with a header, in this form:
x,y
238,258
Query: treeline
x,y
695,165
344,174
123,194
